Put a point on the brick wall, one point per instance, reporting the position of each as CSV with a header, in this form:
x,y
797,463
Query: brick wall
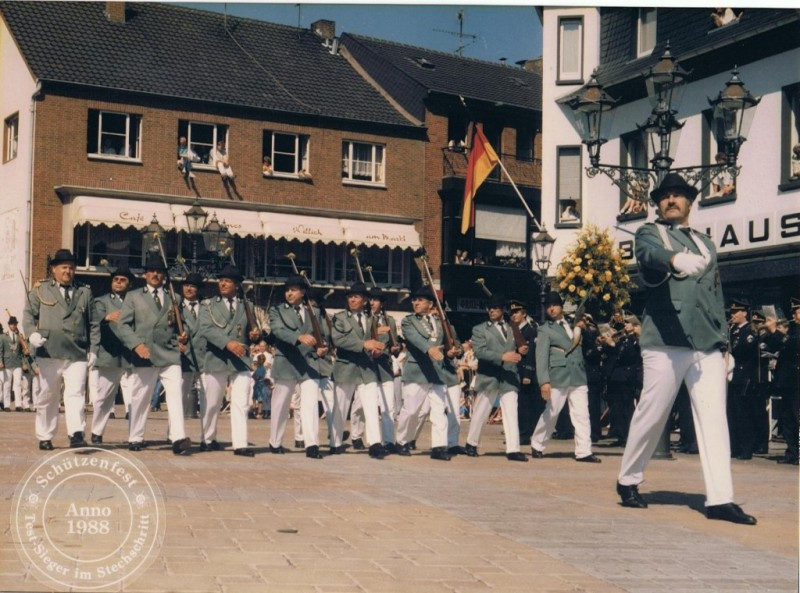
x,y
61,159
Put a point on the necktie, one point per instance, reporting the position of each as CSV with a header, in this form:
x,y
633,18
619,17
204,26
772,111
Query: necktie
x,y
299,312
156,298
360,324
231,306
192,306
502,329
67,298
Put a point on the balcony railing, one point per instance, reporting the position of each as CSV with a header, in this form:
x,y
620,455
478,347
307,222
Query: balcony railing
x,y
523,171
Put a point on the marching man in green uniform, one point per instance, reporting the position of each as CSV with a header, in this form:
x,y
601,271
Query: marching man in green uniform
x,y
299,360
147,326
112,362
498,356
223,324
192,359
354,371
385,328
15,365
56,319
683,333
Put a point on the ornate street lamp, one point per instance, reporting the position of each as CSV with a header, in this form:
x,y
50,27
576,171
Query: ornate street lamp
x,y
211,234
195,220
152,235
592,109
542,248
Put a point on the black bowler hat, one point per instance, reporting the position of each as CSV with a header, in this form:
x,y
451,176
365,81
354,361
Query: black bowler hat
x,y
232,272
154,262
122,270
516,305
739,305
553,298
496,301
62,256
423,292
194,279
376,292
673,183
295,280
12,320
357,288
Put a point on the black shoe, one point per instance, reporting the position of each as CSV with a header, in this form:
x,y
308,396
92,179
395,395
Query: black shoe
x,y
97,439
244,452
313,452
337,450
744,456
630,496
45,445
127,415
135,446
412,445
181,446
214,446
390,449
76,440
589,459
453,451
358,444
112,416
518,456
730,512
788,460
404,450
277,450
203,447
345,435
618,443
536,454
470,450
440,453
299,445
377,451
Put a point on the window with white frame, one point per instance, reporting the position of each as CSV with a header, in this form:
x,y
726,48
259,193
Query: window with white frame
x,y
646,31
568,185
363,163
570,50
111,134
288,153
10,137
202,138
790,136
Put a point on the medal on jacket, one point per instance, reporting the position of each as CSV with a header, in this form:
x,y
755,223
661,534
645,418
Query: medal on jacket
x,y
170,317
239,330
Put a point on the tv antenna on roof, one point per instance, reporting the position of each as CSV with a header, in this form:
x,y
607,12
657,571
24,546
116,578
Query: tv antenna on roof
x,y
461,35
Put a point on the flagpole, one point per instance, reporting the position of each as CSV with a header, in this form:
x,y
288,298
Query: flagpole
x,y
519,194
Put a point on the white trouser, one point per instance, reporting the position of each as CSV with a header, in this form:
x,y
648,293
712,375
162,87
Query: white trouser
x,y
5,387
356,418
225,170
386,404
52,372
453,419
705,375
480,414
281,398
107,380
578,398
16,380
297,415
368,394
143,382
398,396
191,380
333,415
414,397
91,383
214,387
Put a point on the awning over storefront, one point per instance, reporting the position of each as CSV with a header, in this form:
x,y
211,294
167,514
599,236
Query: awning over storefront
x,y
125,213
303,228
240,223
380,234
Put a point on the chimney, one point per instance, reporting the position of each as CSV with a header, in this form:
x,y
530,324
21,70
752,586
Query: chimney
x,y
532,65
115,12
325,30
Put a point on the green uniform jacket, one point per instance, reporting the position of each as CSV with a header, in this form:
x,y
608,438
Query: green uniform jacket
x,y
687,312
352,365
66,327
384,362
105,342
489,345
141,322
294,361
10,354
192,359
553,364
218,328
419,367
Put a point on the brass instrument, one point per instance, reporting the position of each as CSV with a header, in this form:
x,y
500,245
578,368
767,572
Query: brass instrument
x,y
315,329
519,339
450,339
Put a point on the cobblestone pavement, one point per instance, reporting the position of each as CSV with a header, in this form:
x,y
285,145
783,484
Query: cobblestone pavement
x,y
422,526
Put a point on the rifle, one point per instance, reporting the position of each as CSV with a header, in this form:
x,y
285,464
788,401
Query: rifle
x,y
519,340
392,334
450,339
315,329
175,310
23,345
360,275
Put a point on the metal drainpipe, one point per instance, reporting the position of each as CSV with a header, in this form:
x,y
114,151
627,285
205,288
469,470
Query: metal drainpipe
x,y
29,205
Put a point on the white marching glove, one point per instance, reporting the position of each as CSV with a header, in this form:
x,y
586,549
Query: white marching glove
x,y
689,263
36,340
731,364
92,360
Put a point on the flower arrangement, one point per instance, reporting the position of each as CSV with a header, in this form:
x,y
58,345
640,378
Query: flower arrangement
x,y
593,269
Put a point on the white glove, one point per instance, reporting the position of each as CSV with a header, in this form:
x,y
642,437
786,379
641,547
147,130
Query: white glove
x,y
731,364
36,340
689,263
92,360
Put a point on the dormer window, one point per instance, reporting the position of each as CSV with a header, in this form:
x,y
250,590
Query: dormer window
x,y
645,32
423,63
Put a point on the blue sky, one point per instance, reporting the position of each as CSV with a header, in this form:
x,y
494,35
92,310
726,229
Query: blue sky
x,y
511,32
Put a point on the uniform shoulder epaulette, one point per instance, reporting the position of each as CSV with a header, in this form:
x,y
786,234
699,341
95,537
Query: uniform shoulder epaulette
x,y
216,298
38,283
205,302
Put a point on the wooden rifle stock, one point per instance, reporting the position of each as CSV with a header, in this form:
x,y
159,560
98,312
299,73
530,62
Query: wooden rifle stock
x,y
450,339
519,339
316,331
392,333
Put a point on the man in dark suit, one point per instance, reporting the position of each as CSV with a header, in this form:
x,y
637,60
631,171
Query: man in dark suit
x,y
743,394
683,332
530,404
